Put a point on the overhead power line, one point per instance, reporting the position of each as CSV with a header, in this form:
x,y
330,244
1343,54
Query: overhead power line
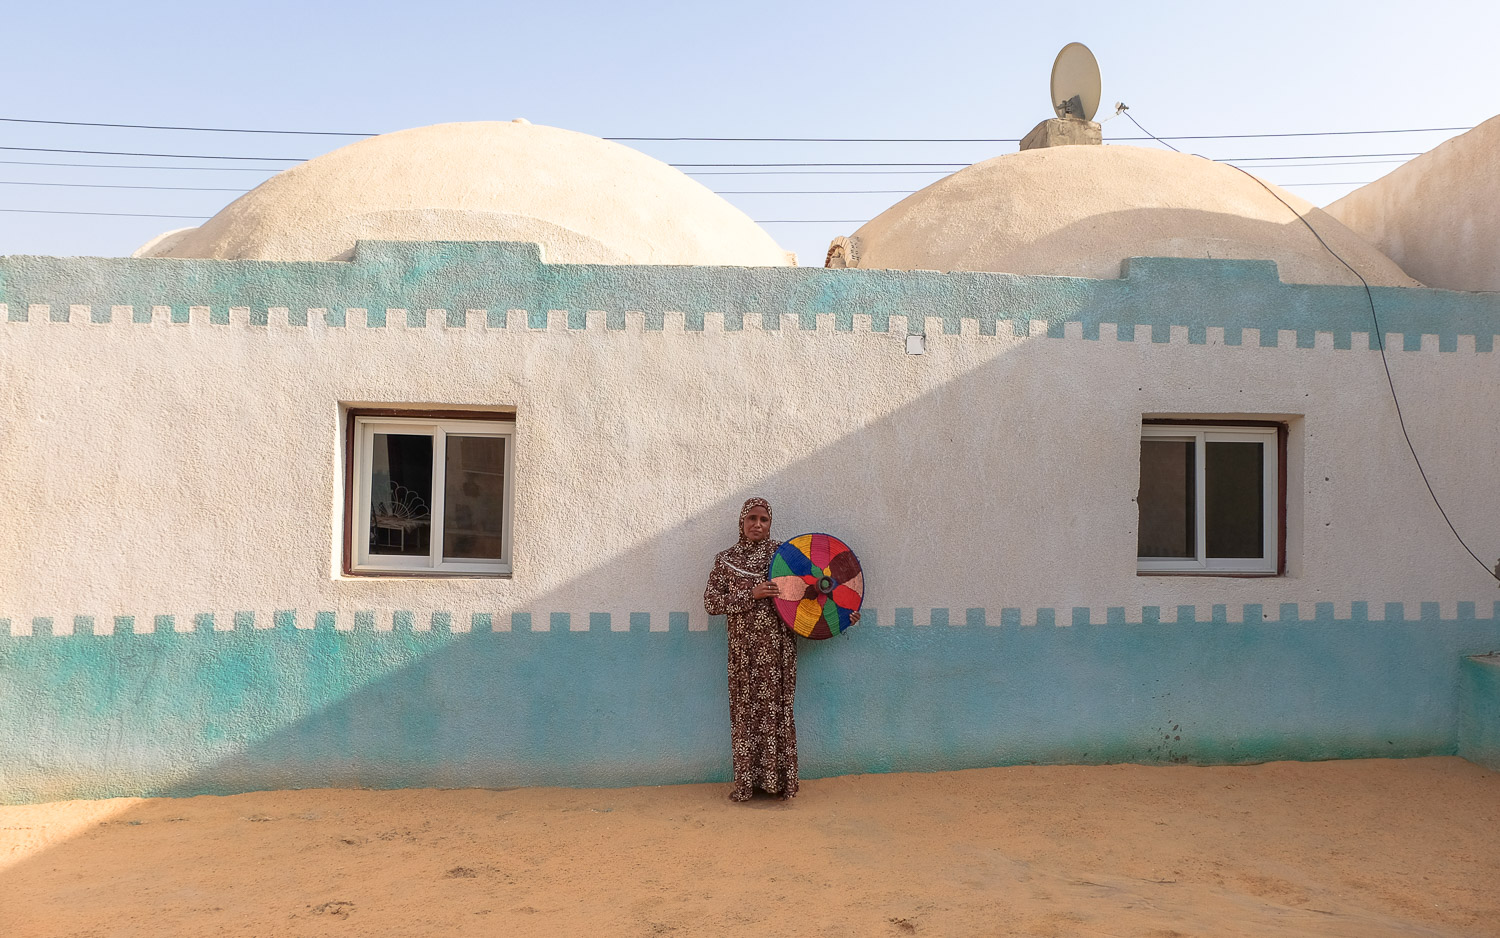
x,y
212,130
779,165
955,163
1317,133
1316,156
814,191
221,169
823,172
102,185
242,189
51,211
1347,163
175,156
340,133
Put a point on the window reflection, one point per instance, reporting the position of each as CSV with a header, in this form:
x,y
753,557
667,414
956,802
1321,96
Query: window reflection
x,y
1168,517
400,495
474,498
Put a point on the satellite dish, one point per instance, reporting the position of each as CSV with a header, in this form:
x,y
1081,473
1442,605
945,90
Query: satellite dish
x,y
1075,82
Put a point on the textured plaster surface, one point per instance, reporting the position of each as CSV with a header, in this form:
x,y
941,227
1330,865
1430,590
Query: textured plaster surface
x,y
1479,711
1082,211
1436,215
584,199
175,621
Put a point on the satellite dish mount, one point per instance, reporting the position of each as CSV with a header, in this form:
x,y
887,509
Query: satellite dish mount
x,y
1075,100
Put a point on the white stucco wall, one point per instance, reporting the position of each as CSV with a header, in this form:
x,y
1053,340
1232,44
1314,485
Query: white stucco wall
x,y
171,457
182,467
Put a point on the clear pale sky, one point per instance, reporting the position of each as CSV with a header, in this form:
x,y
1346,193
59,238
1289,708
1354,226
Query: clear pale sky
x,y
873,69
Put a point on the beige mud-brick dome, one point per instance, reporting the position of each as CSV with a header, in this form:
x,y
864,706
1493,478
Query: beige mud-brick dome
x,y
585,200
1082,211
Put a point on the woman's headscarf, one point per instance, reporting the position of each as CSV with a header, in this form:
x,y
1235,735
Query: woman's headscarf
x,y
755,502
747,554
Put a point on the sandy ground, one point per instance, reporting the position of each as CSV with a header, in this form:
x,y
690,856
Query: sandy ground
x,y
1362,849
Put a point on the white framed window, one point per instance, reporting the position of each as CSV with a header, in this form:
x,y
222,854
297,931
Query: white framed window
x,y
1210,499
429,494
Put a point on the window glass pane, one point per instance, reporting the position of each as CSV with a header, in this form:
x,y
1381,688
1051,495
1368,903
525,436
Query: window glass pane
x,y
1167,499
1234,499
400,493
474,498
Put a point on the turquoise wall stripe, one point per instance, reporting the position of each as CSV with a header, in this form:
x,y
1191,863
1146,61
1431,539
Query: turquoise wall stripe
x,y
218,711
1157,293
1479,710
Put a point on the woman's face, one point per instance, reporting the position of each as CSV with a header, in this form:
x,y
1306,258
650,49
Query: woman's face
x,y
756,525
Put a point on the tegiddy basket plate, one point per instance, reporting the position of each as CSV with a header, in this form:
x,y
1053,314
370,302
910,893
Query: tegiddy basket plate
x,y
819,584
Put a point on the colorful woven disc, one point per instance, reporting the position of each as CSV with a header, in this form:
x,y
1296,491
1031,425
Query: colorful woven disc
x,y
819,584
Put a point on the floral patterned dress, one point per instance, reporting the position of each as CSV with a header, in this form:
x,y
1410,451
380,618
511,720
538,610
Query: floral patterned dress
x,y
762,672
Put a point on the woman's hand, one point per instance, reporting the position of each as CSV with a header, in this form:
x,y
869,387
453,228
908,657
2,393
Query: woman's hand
x,y
764,590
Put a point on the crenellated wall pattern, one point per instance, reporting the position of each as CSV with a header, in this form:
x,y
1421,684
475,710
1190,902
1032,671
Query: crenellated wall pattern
x,y
175,620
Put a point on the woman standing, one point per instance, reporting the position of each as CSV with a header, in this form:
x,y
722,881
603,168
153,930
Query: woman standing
x,y
762,660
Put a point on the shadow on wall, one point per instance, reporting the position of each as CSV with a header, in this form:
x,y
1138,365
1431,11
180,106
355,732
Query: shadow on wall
x,y
959,674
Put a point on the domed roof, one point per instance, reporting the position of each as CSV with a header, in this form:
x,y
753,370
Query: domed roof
x,y
585,200
1080,211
